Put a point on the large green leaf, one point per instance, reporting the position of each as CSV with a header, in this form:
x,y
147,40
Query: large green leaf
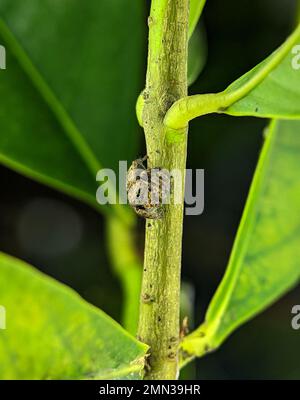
x,y
51,333
32,141
68,93
264,262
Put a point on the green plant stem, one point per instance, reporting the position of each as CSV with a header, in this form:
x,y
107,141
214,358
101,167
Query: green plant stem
x,y
166,83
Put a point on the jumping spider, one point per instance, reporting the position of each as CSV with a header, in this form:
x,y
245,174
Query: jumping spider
x,y
147,189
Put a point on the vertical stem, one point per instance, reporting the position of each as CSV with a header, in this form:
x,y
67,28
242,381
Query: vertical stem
x,y
166,83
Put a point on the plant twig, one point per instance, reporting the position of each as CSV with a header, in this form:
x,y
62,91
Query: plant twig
x,y
166,83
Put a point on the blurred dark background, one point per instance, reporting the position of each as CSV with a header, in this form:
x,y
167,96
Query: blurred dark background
x,y
62,237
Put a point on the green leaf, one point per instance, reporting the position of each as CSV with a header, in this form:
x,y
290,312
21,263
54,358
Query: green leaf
x,y
32,141
51,333
197,55
72,76
264,263
277,95
196,8
271,89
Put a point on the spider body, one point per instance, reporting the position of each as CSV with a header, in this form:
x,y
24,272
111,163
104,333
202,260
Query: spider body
x,y
146,189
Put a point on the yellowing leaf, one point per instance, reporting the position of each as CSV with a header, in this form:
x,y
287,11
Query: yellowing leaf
x,y
51,333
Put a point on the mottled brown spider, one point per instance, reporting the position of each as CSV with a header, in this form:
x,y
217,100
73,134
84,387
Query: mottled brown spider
x,y
147,189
